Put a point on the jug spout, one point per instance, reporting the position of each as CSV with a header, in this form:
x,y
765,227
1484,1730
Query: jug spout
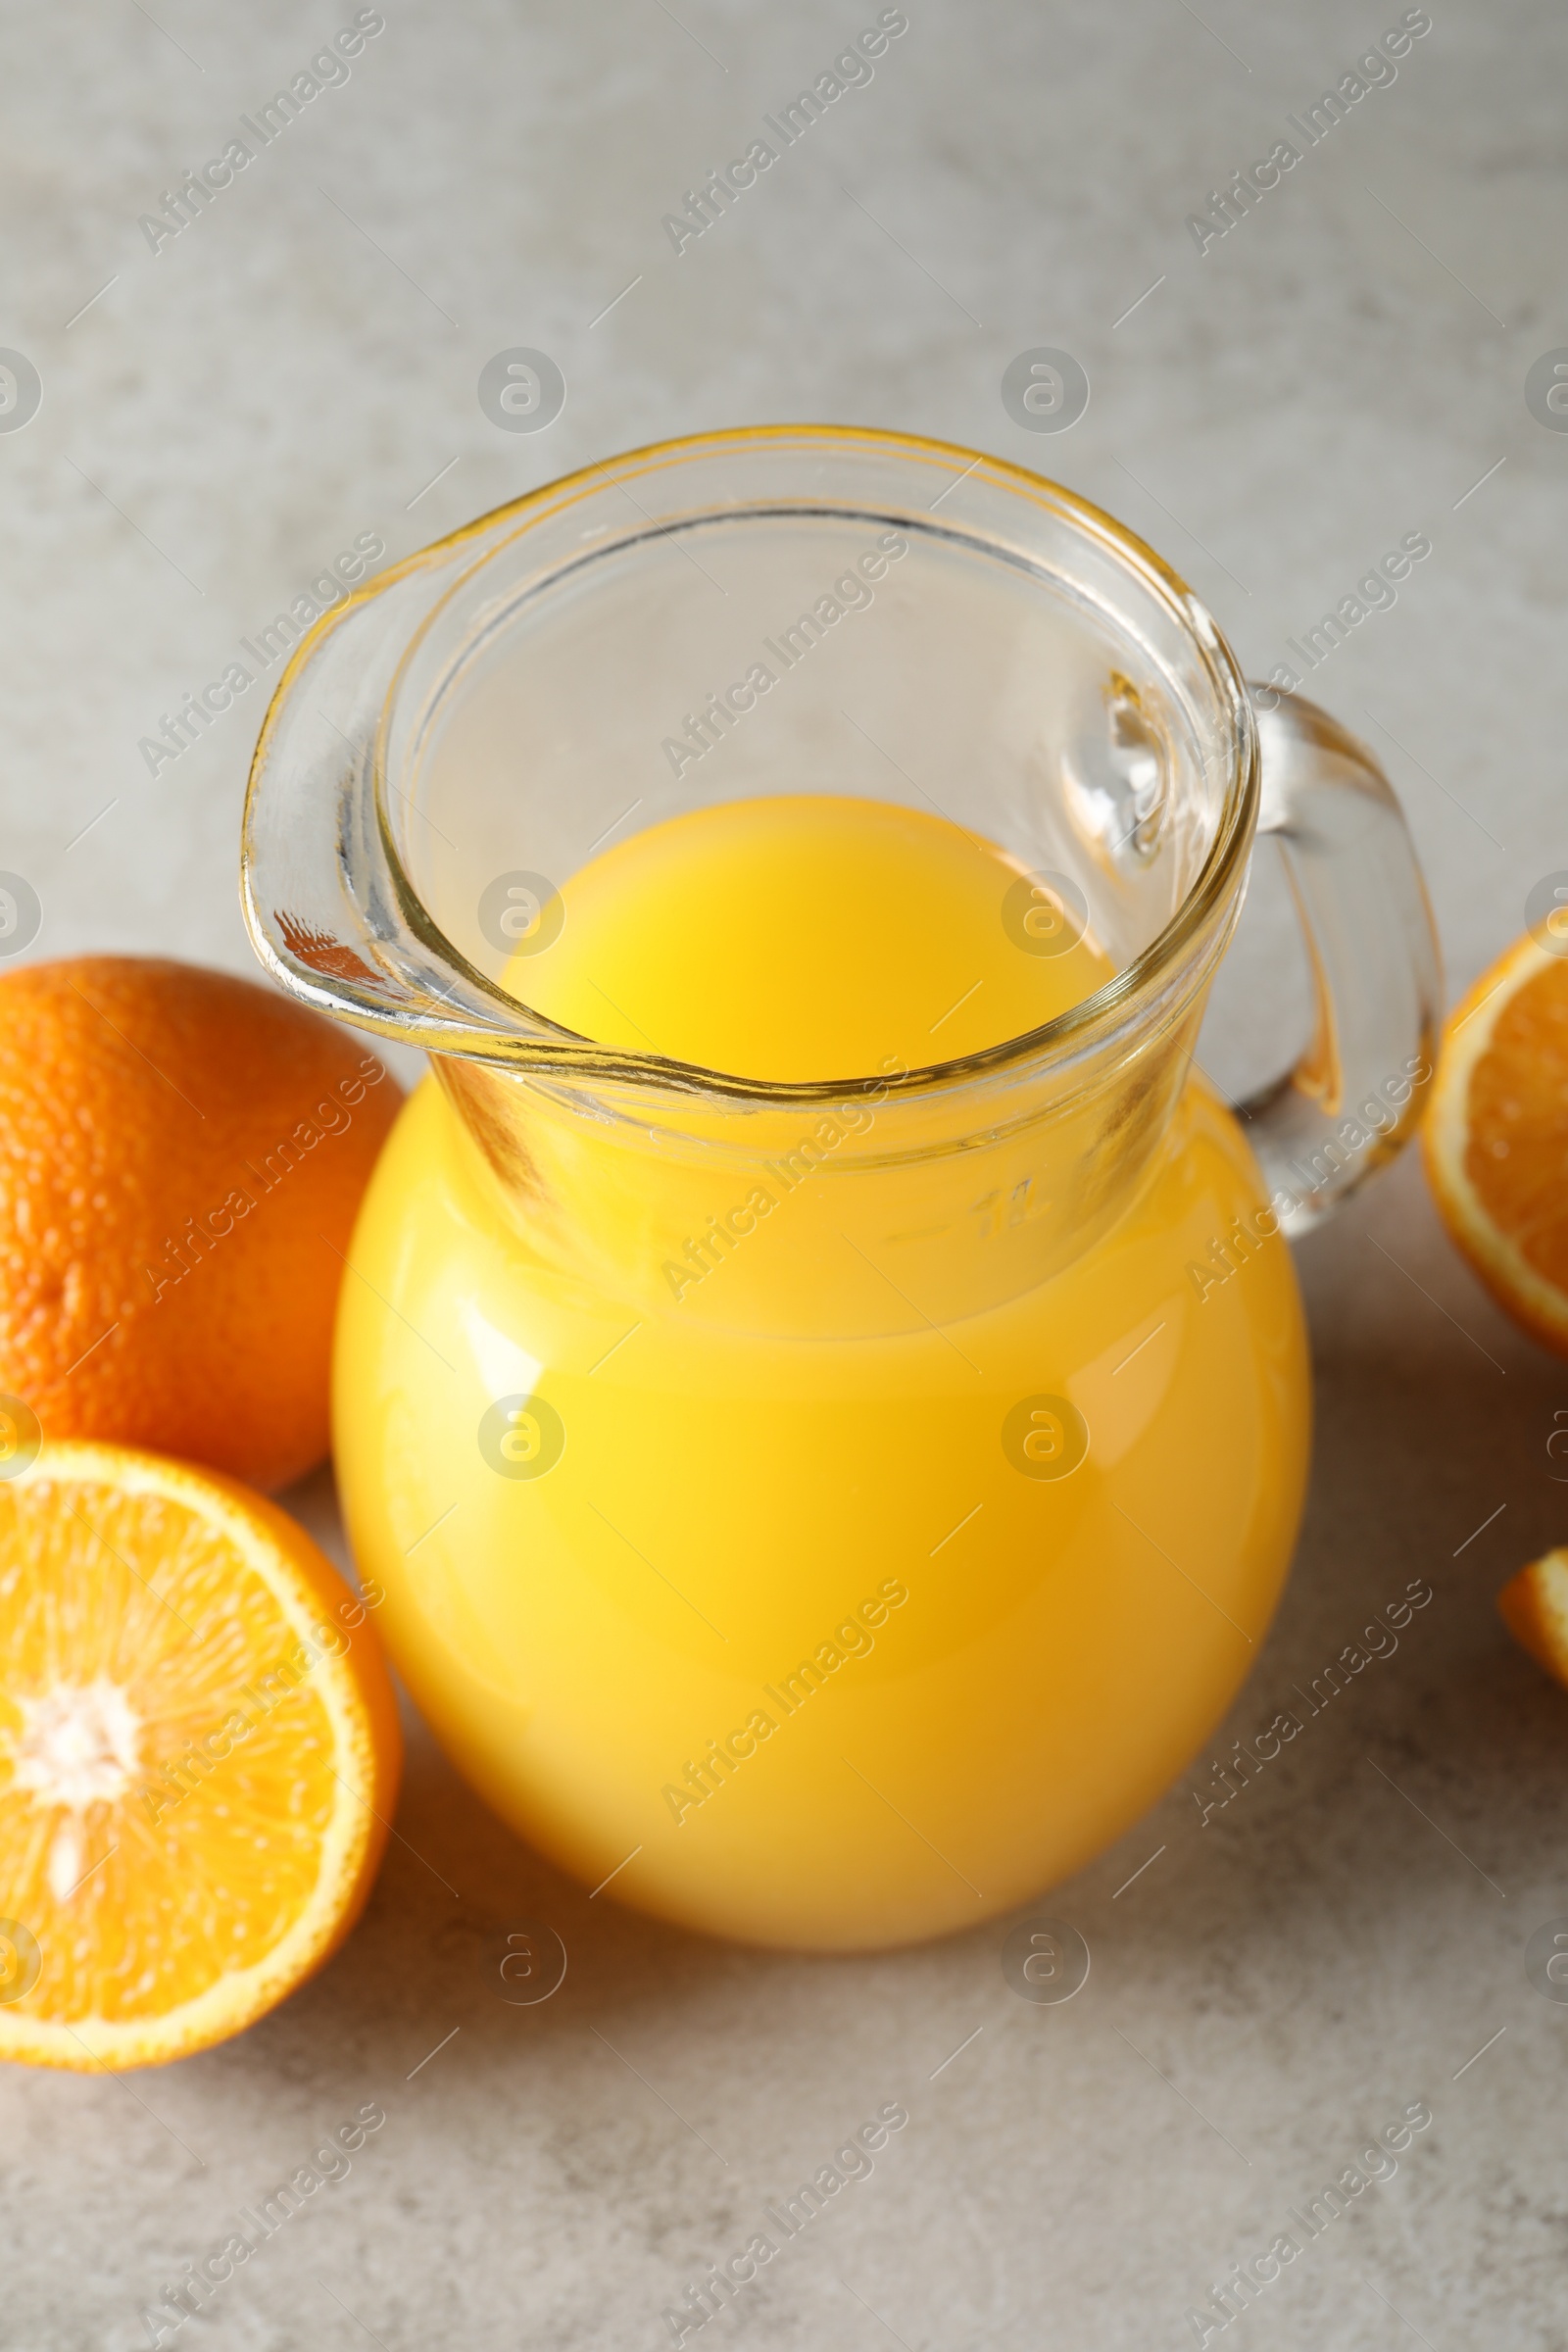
x,y
319,895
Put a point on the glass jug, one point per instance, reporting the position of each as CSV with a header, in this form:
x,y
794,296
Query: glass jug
x,y
825,1514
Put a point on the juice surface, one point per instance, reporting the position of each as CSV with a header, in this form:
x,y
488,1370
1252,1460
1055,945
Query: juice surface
x,y
806,937
830,1641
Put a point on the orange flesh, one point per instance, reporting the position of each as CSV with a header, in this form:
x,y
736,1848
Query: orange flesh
x,y
196,1758
76,1619
1517,1152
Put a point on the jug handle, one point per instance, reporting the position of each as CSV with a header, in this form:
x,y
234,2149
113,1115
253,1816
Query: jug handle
x,y
1356,1096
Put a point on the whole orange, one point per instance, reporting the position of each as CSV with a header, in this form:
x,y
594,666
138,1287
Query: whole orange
x,y
182,1158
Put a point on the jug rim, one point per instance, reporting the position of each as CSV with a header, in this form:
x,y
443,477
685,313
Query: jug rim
x,y
545,1046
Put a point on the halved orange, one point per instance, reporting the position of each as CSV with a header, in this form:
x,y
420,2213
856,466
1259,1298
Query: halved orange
x,y
1495,1136
1534,1607
199,1755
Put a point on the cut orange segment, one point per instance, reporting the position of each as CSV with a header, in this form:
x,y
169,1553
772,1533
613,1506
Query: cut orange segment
x,y
1534,1607
1496,1135
199,1753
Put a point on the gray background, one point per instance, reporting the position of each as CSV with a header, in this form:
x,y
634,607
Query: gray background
x,y
1340,369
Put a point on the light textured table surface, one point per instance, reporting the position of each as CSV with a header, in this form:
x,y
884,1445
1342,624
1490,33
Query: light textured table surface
x,y
1348,365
